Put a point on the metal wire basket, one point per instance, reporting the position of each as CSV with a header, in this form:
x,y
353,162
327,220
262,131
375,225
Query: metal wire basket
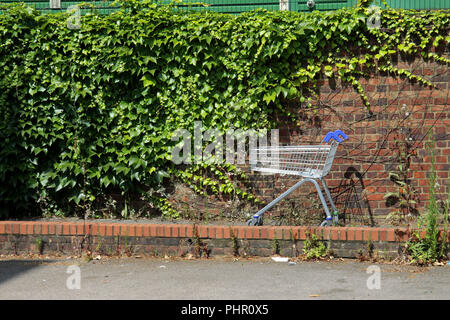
x,y
307,161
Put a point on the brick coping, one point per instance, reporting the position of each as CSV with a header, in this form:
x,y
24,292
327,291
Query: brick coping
x,y
206,231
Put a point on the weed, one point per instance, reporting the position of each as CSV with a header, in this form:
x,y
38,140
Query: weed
x,y
361,256
99,245
443,251
313,248
197,244
369,255
127,249
39,245
275,246
234,243
403,199
370,249
429,249
200,248
294,244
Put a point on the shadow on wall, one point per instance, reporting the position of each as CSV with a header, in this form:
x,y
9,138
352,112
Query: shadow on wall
x,y
351,200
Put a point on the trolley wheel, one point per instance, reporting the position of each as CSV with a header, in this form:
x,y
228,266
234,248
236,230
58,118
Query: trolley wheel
x,y
326,223
255,221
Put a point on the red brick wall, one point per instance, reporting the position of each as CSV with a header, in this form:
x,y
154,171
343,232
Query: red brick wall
x,y
181,240
359,177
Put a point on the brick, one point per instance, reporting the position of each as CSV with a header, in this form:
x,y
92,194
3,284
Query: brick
x,y
342,234
23,228
119,229
263,233
227,232
174,231
98,229
295,233
154,231
271,233
390,235
358,235
109,230
278,233
350,234
15,228
258,233
334,234
302,233
146,231
383,235
212,231
59,228
30,228
326,234
246,232
203,231
140,233
189,231
65,228
372,234
2,227
131,230
239,232
39,229
286,233
375,197
72,228
318,231
220,232
80,229
116,229
161,231
366,234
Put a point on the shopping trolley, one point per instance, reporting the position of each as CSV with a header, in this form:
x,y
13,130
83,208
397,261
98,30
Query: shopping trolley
x,y
311,162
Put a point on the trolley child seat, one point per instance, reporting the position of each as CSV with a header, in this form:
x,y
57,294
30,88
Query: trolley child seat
x,y
311,162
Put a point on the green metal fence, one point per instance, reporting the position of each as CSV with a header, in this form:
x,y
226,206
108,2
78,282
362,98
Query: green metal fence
x,y
238,6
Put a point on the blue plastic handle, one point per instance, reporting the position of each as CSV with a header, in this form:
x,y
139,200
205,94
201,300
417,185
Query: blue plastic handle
x,y
336,135
340,133
330,135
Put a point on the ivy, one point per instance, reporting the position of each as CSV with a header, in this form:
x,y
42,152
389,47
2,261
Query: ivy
x,y
89,112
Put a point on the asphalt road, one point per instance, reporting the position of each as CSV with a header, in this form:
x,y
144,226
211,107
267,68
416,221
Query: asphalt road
x,y
151,278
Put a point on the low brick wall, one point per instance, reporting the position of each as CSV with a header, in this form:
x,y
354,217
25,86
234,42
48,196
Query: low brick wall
x,y
17,237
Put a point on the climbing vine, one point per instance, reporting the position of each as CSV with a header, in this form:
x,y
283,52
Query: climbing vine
x,y
90,111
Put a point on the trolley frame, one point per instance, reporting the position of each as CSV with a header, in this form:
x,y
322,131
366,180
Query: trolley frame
x,y
312,163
